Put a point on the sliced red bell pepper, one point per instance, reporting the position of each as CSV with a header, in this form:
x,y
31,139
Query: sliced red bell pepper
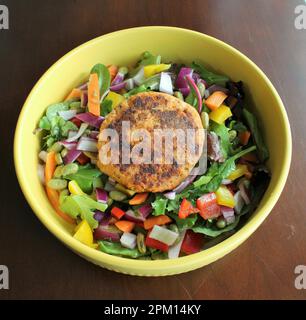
x,y
117,212
155,244
82,159
208,206
186,208
76,121
192,242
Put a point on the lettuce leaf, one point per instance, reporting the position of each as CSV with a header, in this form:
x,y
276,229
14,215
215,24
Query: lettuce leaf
x,y
103,76
159,205
83,206
85,177
186,223
116,249
208,76
214,231
252,123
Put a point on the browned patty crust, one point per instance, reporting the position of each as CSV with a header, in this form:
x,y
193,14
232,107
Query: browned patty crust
x,y
151,111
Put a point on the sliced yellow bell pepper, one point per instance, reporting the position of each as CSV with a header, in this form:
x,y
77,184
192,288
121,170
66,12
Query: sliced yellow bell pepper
x,y
74,188
115,98
221,114
241,170
152,69
84,234
225,197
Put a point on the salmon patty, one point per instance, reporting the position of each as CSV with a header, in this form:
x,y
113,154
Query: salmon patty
x,y
145,160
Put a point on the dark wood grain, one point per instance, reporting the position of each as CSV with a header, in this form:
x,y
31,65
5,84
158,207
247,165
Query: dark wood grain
x,y
41,32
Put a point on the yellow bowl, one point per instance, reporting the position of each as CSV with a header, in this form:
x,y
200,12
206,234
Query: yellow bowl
x,y
123,48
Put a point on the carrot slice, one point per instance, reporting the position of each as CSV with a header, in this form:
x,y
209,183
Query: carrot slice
x,y
125,226
244,137
94,95
113,70
139,198
215,100
74,94
51,193
159,220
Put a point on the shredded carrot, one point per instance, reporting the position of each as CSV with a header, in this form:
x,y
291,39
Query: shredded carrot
x,y
159,220
125,226
94,95
244,137
51,193
215,100
74,94
113,70
139,198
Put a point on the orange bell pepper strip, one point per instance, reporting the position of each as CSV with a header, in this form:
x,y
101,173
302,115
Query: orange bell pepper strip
x,y
125,226
215,100
74,94
51,193
159,220
94,95
139,198
186,209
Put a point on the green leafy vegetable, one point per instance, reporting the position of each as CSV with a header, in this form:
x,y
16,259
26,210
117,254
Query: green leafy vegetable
x,y
52,110
146,59
201,181
149,58
57,128
215,174
85,177
258,188
44,123
222,132
225,169
186,223
251,120
208,76
212,231
159,205
106,107
104,77
238,126
116,249
136,90
83,206
152,83
66,127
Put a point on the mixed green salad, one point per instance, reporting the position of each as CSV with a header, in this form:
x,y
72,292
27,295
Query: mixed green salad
x,y
200,212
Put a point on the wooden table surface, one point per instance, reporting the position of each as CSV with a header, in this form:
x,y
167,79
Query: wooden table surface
x,y
40,33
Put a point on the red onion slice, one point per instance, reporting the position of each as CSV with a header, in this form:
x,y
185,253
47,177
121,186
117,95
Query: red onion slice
x,y
72,155
82,129
87,144
89,118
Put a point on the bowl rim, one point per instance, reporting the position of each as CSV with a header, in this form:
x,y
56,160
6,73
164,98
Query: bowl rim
x,y
158,267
